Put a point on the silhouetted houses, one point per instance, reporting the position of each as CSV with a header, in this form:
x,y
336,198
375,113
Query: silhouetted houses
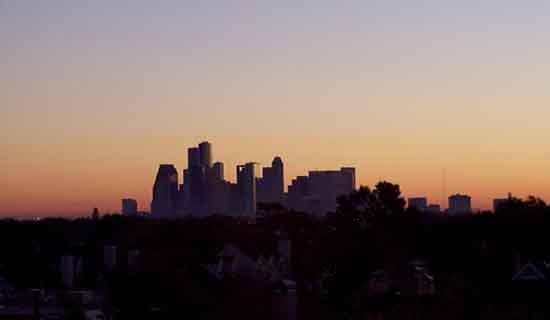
x,y
250,261
412,280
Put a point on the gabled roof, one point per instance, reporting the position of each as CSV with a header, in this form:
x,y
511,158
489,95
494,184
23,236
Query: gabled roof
x,y
529,272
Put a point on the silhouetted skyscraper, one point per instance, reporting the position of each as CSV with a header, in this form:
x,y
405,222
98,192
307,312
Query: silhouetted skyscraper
x,y
205,150
193,157
165,192
460,204
129,207
270,187
278,182
246,182
217,171
194,182
196,188
349,175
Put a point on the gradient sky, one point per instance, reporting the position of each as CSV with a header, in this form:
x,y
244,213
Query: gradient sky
x,y
95,94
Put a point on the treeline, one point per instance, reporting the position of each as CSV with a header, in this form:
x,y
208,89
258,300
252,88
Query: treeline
x,y
371,230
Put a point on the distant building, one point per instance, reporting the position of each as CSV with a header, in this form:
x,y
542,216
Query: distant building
x,y
193,157
196,191
419,203
129,207
165,193
218,171
246,182
205,154
194,183
317,193
205,191
460,204
270,187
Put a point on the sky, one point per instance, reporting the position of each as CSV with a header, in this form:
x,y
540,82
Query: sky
x,y
438,96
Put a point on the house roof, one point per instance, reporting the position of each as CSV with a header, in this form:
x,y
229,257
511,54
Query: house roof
x,y
529,272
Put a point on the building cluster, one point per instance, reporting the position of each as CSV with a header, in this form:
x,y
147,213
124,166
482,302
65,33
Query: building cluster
x,y
459,204
204,190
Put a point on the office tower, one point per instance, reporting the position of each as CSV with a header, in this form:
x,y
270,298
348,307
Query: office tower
x,y
193,157
129,207
246,182
297,190
217,171
419,203
349,173
460,204
270,187
165,193
197,189
185,190
317,193
278,180
205,151
199,178
194,181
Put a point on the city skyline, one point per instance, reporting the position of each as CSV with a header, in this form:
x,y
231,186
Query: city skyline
x,y
96,95
144,198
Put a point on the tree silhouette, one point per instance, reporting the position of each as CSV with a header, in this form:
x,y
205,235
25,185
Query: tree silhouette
x,y
364,206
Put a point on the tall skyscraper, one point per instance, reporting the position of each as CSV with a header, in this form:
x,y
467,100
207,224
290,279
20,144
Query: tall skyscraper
x,y
460,204
217,171
278,182
129,207
205,150
193,157
194,182
246,182
270,187
165,193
